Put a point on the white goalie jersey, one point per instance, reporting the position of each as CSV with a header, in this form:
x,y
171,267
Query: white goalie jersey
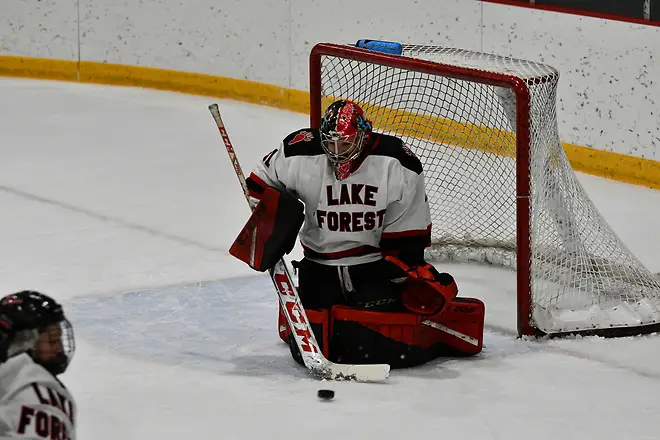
x,y
34,404
350,221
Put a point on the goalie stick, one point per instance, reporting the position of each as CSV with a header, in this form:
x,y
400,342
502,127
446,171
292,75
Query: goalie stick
x,y
313,358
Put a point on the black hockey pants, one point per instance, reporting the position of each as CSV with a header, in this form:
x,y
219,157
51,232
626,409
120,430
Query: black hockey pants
x,y
364,286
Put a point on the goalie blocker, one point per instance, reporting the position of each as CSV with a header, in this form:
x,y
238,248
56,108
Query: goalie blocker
x,y
428,320
271,230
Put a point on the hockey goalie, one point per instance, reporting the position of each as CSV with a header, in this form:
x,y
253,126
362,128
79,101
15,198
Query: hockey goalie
x,y
356,200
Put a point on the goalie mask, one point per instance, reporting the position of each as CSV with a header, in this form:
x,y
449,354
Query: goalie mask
x,y
344,133
33,323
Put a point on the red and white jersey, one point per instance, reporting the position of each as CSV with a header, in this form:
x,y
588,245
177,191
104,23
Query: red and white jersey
x,y
349,221
34,404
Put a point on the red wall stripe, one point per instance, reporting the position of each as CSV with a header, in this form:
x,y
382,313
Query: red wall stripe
x,y
564,10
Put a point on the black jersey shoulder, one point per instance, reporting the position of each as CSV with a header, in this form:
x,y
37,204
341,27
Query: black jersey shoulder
x,y
303,142
393,146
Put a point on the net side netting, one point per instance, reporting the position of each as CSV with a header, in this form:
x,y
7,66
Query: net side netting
x,y
582,276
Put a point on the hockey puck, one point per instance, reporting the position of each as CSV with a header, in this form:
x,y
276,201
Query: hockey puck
x,y
325,394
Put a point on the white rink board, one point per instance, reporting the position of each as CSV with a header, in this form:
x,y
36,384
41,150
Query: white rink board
x,y
45,29
609,89
607,96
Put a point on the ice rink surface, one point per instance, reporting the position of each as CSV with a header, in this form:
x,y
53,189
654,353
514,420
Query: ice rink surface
x,y
121,203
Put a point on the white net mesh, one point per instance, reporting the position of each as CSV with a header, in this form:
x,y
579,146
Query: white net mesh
x,y
582,276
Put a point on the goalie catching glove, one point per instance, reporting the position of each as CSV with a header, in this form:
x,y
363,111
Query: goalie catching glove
x,y
425,290
271,230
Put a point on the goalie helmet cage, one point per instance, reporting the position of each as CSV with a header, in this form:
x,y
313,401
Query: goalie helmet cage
x,y
499,184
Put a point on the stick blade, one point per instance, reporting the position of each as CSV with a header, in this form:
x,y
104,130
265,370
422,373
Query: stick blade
x,y
359,373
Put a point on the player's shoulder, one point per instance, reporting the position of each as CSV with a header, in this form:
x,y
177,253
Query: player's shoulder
x,y
394,147
303,142
19,372
22,368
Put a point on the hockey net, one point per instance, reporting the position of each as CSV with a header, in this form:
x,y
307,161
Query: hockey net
x,y
500,187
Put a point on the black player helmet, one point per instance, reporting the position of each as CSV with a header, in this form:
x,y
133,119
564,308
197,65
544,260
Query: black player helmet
x,y
33,323
344,132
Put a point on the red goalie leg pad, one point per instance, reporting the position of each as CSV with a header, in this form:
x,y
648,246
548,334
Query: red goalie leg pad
x,y
459,328
319,320
360,336
406,339
282,326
